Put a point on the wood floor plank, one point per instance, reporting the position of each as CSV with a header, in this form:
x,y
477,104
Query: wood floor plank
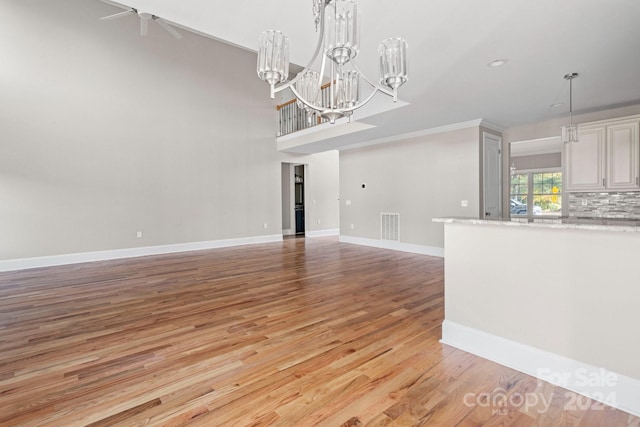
x,y
300,333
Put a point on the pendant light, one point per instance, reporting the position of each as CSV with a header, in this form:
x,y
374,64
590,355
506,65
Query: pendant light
x,y
570,131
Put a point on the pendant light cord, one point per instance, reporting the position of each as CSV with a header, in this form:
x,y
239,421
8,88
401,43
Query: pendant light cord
x,y
570,77
571,101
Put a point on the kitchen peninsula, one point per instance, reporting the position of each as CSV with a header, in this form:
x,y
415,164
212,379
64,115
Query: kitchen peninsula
x,y
550,299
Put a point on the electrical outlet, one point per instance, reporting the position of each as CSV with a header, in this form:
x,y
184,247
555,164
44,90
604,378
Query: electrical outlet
x,y
347,202
266,225
464,203
318,222
352,226
139,235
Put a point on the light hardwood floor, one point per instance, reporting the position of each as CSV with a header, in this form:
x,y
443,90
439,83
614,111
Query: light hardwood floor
x,y
299,333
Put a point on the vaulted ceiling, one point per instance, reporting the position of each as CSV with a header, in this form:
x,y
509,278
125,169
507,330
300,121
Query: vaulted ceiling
x,y
451,42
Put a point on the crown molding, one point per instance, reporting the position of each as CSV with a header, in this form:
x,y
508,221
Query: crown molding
x,y
425,132
491,126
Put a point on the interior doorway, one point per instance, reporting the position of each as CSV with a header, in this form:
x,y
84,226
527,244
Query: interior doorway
x,y
294,177
492,176
298,180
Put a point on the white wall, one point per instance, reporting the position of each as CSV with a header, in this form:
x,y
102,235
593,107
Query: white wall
x,y
420,179
104,133
570,292
286,197
563,299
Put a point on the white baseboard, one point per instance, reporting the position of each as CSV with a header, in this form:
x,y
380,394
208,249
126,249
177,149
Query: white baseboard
x,y
599,384
49,261
395,246
323,233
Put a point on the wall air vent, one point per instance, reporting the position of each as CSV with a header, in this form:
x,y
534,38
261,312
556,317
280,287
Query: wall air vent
x,y
390,226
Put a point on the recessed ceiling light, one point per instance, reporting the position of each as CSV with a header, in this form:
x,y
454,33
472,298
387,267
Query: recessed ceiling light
x,y
556,105
497,63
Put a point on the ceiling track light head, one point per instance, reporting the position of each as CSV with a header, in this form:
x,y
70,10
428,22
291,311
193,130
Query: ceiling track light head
x,y
570,76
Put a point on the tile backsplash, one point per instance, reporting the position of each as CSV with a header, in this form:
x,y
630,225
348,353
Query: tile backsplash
x,y
605,205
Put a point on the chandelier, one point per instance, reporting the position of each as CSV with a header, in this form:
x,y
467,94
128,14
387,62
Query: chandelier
x,y
338,22
570,131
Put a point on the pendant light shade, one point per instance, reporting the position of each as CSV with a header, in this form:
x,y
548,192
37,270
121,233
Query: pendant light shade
x,y
569,134
570,131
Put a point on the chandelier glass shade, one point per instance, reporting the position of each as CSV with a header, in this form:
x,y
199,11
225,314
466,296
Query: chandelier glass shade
x,y
338,45
570,131
393,62
308,86
273,60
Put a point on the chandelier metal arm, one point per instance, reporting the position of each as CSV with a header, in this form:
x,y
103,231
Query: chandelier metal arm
x,y
292,82
305,102
322,67
355,107
376,87
321,109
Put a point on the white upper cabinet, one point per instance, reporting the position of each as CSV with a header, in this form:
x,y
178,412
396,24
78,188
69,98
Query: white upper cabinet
x,y
585,160
606,157
622,156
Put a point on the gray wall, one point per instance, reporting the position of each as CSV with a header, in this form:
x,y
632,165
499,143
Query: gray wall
x,y
104,133
420,179
537,161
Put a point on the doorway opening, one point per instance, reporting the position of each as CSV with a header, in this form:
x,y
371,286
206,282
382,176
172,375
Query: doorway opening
x,y
491,176
299,199
293,199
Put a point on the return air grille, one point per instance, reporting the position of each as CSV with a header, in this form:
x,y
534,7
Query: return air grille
x,y
390,226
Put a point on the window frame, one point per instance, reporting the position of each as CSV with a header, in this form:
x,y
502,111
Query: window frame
x,y
530,194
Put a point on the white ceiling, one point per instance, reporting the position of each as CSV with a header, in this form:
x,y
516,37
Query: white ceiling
x,y
451,42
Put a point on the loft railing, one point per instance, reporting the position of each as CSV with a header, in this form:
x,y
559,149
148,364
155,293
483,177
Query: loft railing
x,y
292,118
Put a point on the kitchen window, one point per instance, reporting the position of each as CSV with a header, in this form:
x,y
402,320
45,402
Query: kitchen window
x,y
536,193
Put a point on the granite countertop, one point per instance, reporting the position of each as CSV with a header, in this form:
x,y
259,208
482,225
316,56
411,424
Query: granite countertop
x,y
578,223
